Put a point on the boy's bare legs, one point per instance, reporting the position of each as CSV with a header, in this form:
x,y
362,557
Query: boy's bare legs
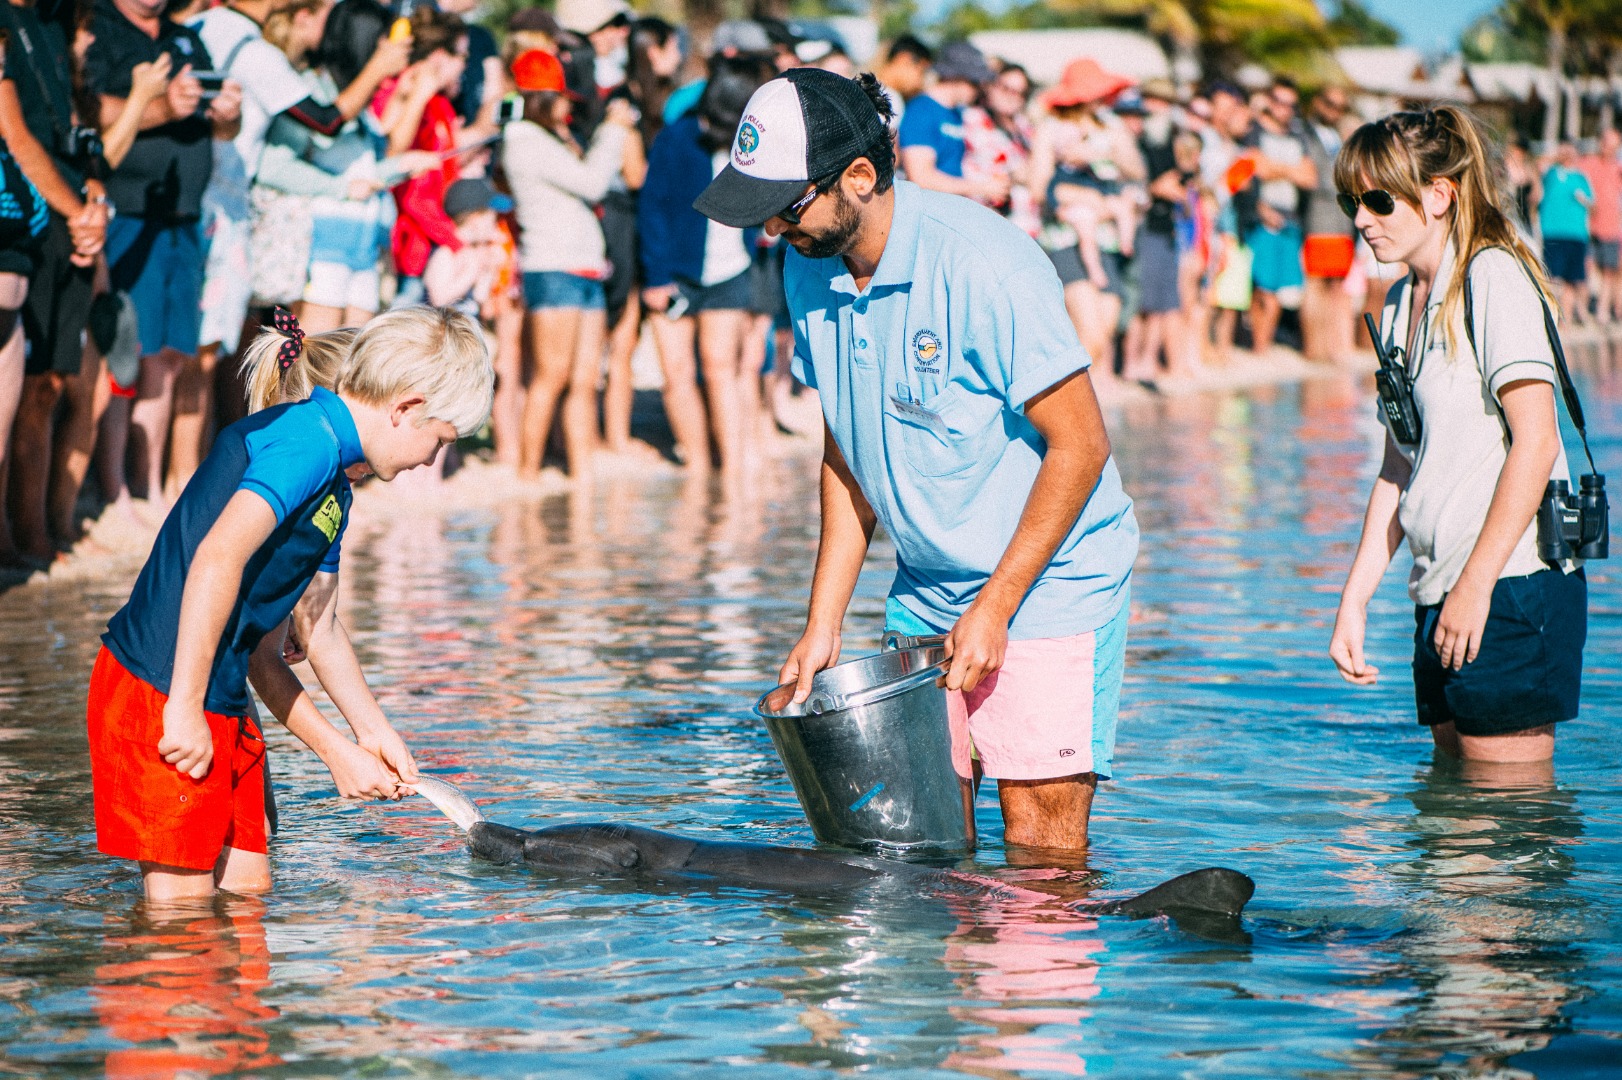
x,y
1520,747
237,871
241,871
684,408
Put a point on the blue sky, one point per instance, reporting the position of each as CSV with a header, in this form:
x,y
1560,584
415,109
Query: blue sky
x,y
1432,25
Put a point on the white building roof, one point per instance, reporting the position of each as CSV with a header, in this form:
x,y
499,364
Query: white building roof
x,y
1044,53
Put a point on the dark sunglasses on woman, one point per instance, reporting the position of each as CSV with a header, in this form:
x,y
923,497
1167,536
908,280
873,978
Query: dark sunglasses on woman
x,y
1380,203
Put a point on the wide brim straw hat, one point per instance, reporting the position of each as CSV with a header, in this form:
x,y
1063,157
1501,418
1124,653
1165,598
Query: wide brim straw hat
x,y
1084,81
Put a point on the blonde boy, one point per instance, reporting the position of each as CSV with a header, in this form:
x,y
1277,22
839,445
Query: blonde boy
x,y
174,747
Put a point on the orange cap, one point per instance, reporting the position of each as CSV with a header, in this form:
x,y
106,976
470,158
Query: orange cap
x,y
538,70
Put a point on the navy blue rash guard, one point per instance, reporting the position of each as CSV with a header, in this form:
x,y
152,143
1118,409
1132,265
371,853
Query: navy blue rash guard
x,y
293,456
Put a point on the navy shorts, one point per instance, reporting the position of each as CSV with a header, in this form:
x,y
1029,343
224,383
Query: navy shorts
x,y
1530,668
1566,260
734,294
161,267
561,289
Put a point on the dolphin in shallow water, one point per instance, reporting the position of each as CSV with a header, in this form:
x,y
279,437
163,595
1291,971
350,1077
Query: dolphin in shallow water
x,y
630,851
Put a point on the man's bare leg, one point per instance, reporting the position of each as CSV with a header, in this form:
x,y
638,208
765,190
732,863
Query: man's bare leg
x,y
1049,814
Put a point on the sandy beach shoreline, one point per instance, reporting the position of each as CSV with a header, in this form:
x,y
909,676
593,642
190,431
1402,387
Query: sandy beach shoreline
x,y
116,541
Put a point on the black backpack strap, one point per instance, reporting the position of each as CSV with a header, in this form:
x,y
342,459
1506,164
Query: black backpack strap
x,y
1568,390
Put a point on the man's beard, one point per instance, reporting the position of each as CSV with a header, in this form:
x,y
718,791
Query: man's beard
x,y
838,237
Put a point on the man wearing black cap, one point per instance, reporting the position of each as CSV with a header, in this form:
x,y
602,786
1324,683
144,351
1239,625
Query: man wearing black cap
x,y
960,416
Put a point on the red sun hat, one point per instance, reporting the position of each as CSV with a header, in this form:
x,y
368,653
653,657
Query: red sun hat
x,y
1083,83
538,70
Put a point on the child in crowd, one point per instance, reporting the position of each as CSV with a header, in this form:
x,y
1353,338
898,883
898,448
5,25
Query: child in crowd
x,y
467,279
255,533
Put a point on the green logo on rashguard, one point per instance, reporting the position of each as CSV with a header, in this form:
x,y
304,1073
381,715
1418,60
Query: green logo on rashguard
x,y
329,517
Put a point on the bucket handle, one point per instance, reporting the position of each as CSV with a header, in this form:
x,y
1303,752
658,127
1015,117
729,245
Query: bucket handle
x,y
822,702
895,641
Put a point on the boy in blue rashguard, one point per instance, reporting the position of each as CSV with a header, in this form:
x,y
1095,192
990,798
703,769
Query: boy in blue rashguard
x,y
175,749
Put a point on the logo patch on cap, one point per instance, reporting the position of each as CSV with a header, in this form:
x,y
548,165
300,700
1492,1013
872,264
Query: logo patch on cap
x,y
748,141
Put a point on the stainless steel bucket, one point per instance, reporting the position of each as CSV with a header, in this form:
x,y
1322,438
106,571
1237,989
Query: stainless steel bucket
x,y
870,754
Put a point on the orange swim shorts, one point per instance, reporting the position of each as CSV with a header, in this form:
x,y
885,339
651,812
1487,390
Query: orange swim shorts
x,y
145,809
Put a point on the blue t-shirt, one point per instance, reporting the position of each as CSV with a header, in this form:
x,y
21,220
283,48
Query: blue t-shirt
x,y
929,123
924,376
1560,214
294,457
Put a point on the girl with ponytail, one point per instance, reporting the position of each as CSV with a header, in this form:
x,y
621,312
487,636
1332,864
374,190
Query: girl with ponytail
x,y
1499,633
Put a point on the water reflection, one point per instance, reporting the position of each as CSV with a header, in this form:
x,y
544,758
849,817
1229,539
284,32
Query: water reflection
x,y
591,656
1493,848
183,993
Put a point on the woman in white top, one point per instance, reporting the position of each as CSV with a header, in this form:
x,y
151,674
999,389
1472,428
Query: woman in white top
x,y
1499,636
555,190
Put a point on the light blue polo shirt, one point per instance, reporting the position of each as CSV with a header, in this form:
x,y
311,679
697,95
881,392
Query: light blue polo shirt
x,y
924,376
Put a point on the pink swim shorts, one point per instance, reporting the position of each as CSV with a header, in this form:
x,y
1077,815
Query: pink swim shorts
x,y
1049,711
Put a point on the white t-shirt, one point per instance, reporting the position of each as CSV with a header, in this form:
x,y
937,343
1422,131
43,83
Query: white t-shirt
x,y
270,84
1286,149
1463,442
725,256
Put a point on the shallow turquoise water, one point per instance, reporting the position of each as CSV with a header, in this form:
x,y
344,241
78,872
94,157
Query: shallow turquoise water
x,y
594,660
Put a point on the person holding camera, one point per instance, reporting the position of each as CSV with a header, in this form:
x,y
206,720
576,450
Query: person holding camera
x,y
60,156
155,248
1472,444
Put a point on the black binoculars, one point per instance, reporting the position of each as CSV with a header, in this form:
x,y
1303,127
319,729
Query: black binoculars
x,y
1574,527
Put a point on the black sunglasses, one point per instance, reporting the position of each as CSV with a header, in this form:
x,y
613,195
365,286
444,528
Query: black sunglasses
x,y
1380,203
792,212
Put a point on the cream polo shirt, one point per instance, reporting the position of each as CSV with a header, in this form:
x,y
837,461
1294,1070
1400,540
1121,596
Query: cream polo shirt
x,y
1464,443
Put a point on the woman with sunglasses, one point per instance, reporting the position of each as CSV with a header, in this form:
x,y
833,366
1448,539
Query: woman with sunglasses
x,y
1499,636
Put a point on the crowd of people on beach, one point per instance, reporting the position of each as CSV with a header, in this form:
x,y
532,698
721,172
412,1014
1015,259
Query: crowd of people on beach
x,y
175,171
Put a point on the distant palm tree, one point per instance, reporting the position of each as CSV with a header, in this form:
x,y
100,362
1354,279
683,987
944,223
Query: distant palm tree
x,y
1221,34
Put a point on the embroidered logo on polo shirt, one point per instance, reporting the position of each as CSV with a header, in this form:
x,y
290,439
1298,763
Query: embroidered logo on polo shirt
x,y
743,152
328,518
926,353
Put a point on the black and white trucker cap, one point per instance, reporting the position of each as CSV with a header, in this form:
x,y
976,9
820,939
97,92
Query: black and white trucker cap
x,y
807,124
